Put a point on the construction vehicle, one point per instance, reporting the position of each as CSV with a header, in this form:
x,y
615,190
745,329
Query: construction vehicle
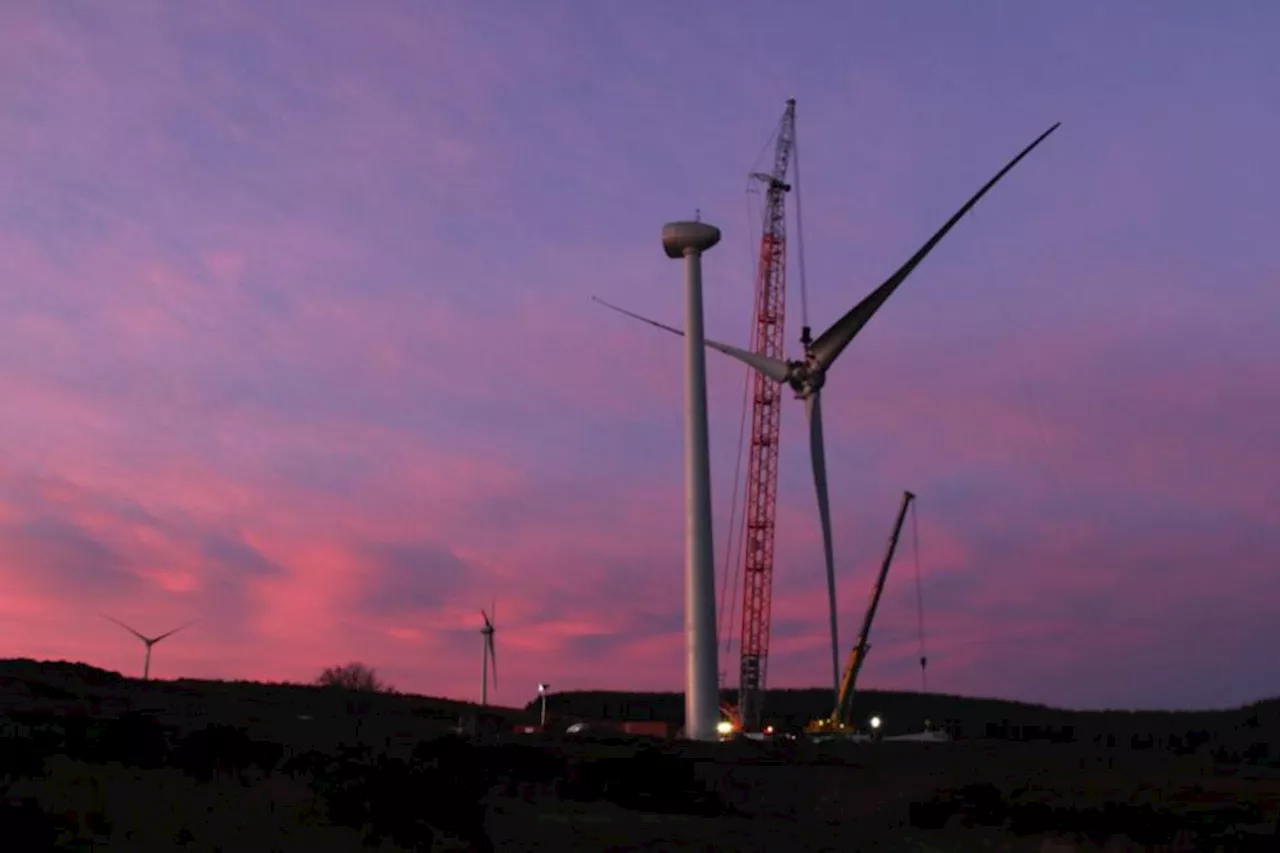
x,y
840,723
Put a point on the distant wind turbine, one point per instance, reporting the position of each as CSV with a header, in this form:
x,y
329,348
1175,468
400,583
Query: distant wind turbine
x,y
488,654
807,376
148,641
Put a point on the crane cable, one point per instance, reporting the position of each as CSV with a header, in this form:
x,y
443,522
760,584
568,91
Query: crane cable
x,y
915,547
736,541
732,547
804,289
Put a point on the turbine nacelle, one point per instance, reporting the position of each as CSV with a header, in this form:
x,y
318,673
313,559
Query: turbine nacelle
x,y
682,238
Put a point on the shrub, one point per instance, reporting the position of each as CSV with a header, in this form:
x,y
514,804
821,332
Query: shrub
x,y
353,676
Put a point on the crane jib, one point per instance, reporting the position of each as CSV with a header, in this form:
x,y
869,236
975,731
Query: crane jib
x,y
858,655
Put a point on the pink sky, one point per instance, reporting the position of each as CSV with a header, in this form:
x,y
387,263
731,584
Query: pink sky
x,y
296,337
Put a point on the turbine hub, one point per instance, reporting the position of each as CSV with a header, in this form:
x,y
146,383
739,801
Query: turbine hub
x,y
805,379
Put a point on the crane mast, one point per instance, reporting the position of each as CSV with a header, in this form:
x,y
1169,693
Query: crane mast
x,y
762,473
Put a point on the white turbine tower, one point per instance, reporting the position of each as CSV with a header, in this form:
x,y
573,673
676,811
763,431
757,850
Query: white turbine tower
x,y
148,641
488,654
807,376
688,240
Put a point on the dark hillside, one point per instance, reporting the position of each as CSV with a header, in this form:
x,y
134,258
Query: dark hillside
x,y
962,716
95,760
289,711
283,713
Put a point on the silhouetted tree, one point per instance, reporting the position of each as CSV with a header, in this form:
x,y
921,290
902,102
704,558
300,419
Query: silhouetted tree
x,y
353,676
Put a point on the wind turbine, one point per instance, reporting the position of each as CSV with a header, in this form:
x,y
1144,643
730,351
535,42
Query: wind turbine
x,y
149,641
488,654
542,694
807,376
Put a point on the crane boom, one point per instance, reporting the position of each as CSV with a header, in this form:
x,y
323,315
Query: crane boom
x,y
840,715
762,474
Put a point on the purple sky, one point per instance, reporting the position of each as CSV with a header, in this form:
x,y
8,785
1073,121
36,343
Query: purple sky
x,y
296,336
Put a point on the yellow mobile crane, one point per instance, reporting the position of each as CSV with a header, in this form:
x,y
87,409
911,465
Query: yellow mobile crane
x,y
839,723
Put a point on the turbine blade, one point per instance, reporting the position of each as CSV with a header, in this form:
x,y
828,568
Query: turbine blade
x,y
817,454
126,627
775,369
485,617
174,631
493,660
827,348
643,319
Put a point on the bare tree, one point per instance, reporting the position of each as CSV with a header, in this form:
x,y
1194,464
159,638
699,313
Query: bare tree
x,y
353,676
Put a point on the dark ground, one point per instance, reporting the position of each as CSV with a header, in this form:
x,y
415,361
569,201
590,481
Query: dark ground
x,y
92,761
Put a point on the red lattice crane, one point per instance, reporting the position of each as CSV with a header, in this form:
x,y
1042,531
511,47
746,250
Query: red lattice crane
x,y
760,510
